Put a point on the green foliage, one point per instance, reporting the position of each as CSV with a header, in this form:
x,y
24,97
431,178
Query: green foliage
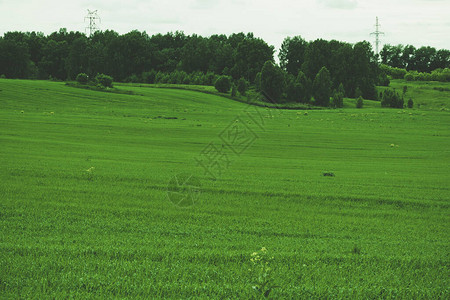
x,y
410,103
442,75
261,270
2,76
272,82
233,90
391,99
383,79
223,84
242,86
104,80
359,102
149,77
258,82
337,100
133,79
358,93
294,89
322,87
409,77
395,73
82,78
292,54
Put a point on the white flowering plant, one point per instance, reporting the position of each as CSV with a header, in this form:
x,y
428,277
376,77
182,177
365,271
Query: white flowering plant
x,y
261,271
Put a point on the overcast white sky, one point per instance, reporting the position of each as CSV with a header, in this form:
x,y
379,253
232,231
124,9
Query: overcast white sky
x,y
416,22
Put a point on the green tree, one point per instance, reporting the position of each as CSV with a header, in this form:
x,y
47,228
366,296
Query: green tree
x,y
82,78
223,84
392,99
242,86
410,103
338,97
322,87
104,80
251,54
359,102
272,82
292,54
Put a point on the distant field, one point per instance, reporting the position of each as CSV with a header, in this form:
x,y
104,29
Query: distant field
x,y
84,210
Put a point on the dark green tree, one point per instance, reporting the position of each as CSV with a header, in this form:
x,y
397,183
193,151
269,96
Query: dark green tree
x,y
242,86
272,82
292,54
223,84
322,87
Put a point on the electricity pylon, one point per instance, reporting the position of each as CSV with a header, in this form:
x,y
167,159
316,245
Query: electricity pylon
x,y
92,17
377,34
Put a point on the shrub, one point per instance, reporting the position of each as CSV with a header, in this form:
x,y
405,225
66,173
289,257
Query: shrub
x,y
410,103
383,79
391,99
223,84
409,76
149,77
258,82
337,100
395,73
82,78
132,78
104,80
2,76
233,91
358,93
242,86
359,102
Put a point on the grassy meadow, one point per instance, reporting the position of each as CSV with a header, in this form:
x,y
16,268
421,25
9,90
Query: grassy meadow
x,y
85,213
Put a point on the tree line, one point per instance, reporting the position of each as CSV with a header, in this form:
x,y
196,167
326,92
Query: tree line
x,y
423,60
319,68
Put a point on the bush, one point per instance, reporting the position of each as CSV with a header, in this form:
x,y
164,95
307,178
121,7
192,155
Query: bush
x,y
358,93
337,100
410,103
223,84
149,77
359,102
104,80
383,79
132,78
2,76
233,91
242,86
82,78
258,82
391,99
395,73
409,76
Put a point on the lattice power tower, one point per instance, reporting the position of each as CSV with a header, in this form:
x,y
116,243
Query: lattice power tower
x,y
92,17
377,34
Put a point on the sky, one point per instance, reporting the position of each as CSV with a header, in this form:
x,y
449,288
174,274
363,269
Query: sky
x,y
415,22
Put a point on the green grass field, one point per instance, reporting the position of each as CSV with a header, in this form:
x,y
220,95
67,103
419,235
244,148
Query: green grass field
x,y
84,210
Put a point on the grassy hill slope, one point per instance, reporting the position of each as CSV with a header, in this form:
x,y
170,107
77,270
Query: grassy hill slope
x,y
85,212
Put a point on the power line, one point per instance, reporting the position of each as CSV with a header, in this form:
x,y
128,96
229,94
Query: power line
x,y
377,34
92,17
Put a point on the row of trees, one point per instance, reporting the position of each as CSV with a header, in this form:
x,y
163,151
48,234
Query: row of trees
x,y
442,75
353,66
306,70
63,55
423,59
